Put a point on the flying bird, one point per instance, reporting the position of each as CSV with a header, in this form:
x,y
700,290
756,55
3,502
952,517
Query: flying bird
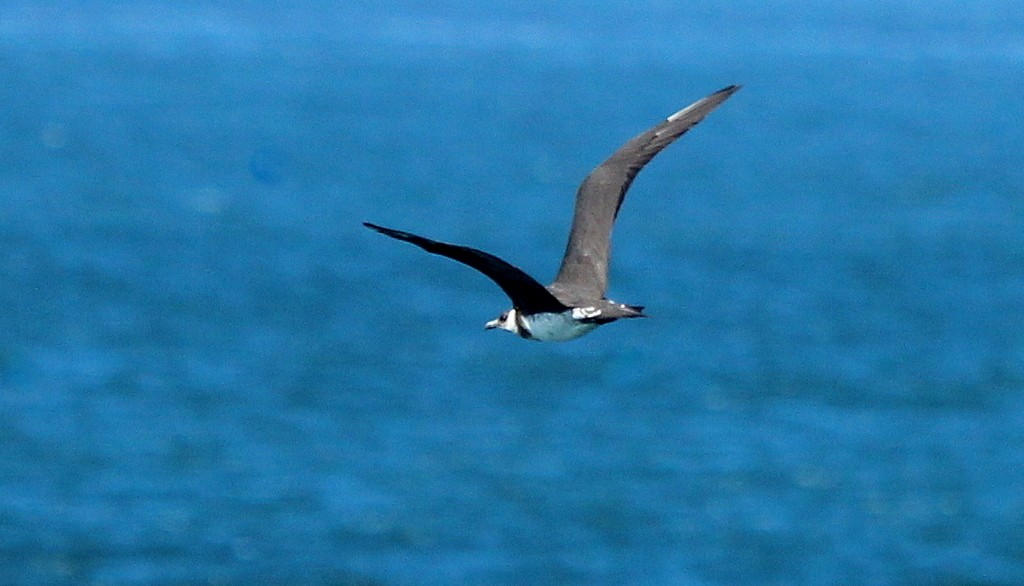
x,y
575,303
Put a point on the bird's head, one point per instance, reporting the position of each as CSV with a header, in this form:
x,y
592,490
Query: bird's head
x,y
506,321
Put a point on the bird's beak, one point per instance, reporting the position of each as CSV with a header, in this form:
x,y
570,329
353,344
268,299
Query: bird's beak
x,y
494,323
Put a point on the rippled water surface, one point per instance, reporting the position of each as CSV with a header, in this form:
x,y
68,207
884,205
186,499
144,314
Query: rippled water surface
x,y
211,373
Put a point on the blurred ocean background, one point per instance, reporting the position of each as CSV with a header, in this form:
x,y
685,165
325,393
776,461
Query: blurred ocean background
x,y
210,373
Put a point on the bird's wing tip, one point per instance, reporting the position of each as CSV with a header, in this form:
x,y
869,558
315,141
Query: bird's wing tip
x,y
716,98
383,230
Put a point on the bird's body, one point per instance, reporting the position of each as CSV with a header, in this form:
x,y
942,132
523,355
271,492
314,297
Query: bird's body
x,y
546,326
575,304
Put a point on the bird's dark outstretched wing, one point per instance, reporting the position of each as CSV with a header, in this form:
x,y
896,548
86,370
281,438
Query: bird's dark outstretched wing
x,y
527,295
584,270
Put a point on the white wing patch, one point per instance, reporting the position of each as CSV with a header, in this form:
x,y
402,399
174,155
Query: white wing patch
x,y
585,312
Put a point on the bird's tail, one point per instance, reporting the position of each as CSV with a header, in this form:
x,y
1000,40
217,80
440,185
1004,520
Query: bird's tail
x,y
637,310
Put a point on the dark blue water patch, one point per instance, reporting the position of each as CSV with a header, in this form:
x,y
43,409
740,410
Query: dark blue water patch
x,y
267,165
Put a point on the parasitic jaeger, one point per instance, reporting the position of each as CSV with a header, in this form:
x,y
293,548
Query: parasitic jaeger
x,y
575,304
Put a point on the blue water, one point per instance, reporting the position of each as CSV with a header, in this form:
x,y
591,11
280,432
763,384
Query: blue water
x,y
211,373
